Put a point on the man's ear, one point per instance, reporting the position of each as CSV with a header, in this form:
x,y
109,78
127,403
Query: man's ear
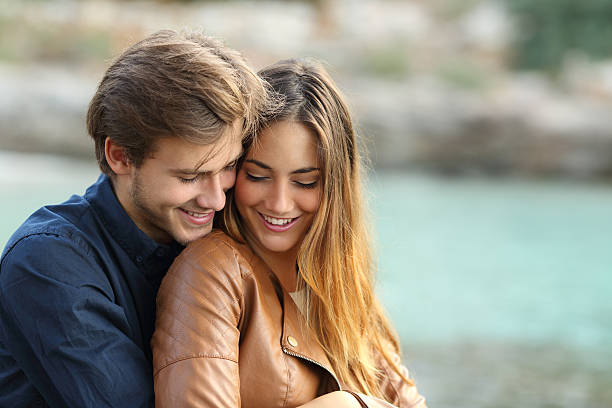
x,y
116,157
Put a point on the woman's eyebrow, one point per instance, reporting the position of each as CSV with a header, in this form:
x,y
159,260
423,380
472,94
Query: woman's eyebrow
x,y
305,170
259,164
266,167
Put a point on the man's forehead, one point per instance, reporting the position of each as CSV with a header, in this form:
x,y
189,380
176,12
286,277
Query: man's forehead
x,y
181,155
222,153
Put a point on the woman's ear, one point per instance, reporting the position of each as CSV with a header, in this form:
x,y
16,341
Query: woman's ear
x,y
116,157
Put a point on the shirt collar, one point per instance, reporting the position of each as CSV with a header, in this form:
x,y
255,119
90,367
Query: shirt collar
x,y
138,245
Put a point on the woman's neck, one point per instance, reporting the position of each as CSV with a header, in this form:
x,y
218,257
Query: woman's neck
x,y
283,264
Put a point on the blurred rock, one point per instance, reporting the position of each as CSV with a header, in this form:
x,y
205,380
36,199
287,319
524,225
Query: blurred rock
x,y
43,110
428,81
521,125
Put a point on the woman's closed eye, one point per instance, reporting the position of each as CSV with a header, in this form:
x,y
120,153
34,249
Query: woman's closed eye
x,y
310,184
254,177
300,184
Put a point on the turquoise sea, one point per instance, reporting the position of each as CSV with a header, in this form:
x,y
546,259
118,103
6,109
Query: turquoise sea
x,y
500,289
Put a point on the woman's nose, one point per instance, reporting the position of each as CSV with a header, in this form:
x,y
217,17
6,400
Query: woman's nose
x,y
280,202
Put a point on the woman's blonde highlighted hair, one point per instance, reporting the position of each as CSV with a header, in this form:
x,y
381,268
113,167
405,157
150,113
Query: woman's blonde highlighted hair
x,y
335,259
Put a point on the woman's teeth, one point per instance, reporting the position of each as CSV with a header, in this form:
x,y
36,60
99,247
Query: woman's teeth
x,y
277,221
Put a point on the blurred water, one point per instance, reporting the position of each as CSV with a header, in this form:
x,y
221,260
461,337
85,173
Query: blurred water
x,y
496,260
499,288
29,181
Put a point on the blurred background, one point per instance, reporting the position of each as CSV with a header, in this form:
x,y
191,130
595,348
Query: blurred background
x,y
489,130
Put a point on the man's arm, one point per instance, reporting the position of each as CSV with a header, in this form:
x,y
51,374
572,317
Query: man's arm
x,y
60,323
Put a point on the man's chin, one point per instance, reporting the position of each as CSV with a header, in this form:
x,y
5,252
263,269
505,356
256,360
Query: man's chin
x,y
187,239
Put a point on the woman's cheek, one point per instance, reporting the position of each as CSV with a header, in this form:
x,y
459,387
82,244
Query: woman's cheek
x,y
313,200
245,193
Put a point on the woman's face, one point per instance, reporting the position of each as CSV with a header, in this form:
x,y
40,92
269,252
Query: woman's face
x,y
278,187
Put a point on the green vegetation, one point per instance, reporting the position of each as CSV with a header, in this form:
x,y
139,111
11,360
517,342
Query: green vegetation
x,y
23,41
452,9
463,73
389,61
548,29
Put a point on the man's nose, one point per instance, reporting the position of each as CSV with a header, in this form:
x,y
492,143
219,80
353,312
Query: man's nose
x,y
212,194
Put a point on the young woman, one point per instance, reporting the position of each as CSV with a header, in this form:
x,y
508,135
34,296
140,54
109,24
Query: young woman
x,y
279,310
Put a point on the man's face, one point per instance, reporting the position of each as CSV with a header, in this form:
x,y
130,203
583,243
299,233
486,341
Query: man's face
x,y
170,197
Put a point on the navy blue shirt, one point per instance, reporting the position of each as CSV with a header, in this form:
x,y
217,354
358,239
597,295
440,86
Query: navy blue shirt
x,y
78,283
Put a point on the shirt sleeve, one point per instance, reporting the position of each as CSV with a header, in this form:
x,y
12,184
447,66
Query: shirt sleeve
x,y
196,340
61,325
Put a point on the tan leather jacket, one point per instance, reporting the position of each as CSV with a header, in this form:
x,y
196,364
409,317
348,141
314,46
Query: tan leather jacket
x,y
227,335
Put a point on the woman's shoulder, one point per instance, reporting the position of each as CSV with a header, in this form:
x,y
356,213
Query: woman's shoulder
x,y
218,249
200,303
215,239
214,266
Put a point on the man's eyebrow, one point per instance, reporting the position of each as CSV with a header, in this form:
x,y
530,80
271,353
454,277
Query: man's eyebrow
x,y
298,171
189,171
204,172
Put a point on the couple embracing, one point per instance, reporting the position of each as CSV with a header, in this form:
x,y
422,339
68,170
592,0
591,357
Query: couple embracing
x,y
127,297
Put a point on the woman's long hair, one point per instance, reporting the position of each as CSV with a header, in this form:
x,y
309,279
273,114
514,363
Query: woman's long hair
x,y
335,259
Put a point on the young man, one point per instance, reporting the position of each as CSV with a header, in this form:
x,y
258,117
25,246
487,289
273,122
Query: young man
x,y
78,280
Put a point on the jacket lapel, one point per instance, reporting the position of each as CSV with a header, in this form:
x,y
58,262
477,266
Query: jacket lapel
x,y
297,340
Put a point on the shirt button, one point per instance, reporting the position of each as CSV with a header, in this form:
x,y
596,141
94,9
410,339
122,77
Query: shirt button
x,y
292,341
139,259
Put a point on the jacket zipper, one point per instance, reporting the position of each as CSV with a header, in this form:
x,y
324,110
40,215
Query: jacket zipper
x,y
291,353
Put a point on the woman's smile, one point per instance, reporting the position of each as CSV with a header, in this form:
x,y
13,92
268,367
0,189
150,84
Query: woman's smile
x,y
278,224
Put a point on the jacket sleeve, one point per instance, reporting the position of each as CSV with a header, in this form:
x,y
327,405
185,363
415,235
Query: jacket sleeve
x,y
397,393
61,328
196,340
